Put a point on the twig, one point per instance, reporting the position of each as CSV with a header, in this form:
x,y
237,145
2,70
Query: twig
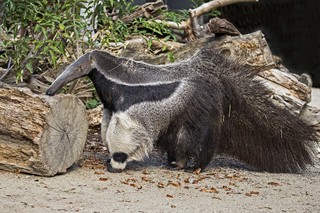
x,y
207,7
172,24
8,69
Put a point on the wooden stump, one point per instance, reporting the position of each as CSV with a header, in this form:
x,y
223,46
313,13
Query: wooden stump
x,y
39,134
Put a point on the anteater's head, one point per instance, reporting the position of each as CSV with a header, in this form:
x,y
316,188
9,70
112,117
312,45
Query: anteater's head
x,y
127,140
78,69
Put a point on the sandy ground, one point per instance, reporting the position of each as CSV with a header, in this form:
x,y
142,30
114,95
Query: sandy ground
x,y
156,189
226,186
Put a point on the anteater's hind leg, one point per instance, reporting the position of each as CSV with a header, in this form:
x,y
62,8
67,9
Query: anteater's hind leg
x,y
177,155
206,144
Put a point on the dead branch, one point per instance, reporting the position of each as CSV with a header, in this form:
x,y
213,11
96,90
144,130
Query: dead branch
x,y
191,27
207,7
8,69
147,10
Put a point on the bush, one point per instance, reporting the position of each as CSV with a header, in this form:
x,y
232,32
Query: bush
x,y
41,30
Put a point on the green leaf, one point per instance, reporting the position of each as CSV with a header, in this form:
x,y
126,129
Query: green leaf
x,y
170,57
29,67
55,49
93,103
53,58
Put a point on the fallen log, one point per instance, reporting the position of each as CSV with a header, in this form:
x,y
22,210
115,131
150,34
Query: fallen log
x,y
39,134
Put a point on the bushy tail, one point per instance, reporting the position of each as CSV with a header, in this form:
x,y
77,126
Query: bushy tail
x,y
259,133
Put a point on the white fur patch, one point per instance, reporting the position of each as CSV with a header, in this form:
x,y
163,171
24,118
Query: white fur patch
x,y
119,81
128,136
104,125
135,66
118,165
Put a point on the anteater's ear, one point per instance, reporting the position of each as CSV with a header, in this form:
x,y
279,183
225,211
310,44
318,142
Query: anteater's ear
x,y
92,59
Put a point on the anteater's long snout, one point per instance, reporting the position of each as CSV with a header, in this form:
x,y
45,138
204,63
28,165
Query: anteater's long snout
x,y
78,69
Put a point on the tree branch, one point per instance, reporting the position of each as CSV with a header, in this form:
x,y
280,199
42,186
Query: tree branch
x,y
207,7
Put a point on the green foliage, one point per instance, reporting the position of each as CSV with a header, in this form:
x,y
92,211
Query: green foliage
x,y
170,57
41,30
148,27
177,16
91,104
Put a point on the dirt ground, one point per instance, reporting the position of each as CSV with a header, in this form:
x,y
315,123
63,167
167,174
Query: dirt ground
x,y
227,186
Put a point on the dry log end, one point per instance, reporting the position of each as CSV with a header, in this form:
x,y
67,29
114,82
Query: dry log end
x,y
40,134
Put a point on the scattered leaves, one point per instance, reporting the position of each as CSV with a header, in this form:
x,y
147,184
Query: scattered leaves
x,y
99,173
235,176
209,190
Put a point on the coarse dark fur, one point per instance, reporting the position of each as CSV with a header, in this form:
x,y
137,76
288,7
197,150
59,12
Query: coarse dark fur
x,y
245,125
204,106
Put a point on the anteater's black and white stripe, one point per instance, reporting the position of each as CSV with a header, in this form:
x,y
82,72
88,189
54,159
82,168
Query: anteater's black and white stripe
x,y
197,108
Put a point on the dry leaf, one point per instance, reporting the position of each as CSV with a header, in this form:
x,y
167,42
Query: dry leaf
x,y
234,177
145,172
199,179
124,182
132,179
229,176
211,190
197,171
103,179
226,188
169,196
176,184
274,184
233,193
249,194
135,185
160,185
146,179
98,173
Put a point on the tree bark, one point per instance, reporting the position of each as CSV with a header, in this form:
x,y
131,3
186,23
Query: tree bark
x,y
39,134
